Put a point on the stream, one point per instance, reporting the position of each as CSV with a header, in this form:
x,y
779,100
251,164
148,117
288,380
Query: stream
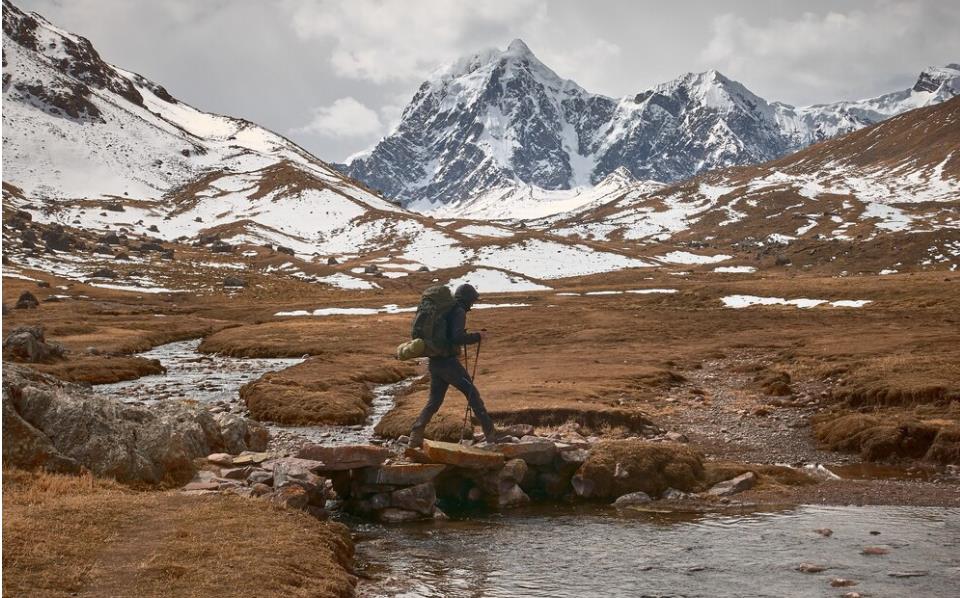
x,y
561,551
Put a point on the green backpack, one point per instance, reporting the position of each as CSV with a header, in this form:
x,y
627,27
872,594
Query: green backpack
x,y
429,330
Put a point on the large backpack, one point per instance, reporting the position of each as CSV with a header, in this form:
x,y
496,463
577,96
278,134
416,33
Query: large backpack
x,y
430,323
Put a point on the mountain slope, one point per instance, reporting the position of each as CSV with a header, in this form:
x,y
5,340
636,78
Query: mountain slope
x,y
894,185
502,124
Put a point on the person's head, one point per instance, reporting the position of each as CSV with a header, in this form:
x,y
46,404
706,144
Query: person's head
x,y
466,295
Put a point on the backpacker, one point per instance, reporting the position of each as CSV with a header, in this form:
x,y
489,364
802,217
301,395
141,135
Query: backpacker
x,y
429,325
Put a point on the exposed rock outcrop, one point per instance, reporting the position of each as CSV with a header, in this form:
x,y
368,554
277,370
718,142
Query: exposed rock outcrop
x,y
62,427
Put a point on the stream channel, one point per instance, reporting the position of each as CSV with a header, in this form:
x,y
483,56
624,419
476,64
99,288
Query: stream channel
x,y
561,551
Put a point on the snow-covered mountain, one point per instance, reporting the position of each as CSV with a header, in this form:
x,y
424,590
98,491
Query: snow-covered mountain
x,y
502,124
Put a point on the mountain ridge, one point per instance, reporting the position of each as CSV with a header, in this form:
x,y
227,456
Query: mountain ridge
x,y
502,119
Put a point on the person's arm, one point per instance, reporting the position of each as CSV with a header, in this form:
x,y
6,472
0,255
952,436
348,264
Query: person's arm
x,y
458,329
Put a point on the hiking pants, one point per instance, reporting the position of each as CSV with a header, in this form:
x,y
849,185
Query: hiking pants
x,y
446,372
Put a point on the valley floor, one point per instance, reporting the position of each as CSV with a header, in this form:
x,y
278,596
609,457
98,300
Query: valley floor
x,y
872,392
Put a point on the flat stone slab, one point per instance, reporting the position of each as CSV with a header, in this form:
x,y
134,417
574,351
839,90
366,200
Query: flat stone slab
x,y
291,463
201,486
735,485
534,452
341,458
402,475
251,458
458,455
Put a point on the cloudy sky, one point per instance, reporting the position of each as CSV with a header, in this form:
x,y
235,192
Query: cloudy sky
x,y
335,75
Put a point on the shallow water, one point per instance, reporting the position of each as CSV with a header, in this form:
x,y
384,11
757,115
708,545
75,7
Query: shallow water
x,y
589,551
194,375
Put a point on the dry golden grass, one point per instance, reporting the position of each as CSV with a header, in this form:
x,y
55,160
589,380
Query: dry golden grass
x,y
80,536
891,434
100,370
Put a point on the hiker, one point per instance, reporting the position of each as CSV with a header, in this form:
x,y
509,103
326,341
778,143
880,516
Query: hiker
x,y
446,369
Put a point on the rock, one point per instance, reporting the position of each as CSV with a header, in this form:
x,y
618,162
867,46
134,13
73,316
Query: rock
x,y
241,434
512,496
314,485
391,515
56,238
219,246
553,484
810,568
290,463
252,458
449,453
584,487
27,300
514,470
26,447
371,269
103,250
826,532
420,498
43,284
153,228
260,476
839,582
286,250
291,497
121,256
631,500
237,473
28,343
103,273
674,494
518,430
234,282
167,254
906,574
401,475
340,458
875,550
676,437
735,485
537,452
332,261
423,269
193,486
222,459
572,459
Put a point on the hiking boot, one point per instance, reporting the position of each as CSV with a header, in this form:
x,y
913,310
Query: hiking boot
x,y
491,437
416,438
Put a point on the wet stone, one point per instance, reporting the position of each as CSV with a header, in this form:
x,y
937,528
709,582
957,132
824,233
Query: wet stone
x,y
534,452
401,475
461,456
392,515
631,500
420,498
735,485
342,458
294,463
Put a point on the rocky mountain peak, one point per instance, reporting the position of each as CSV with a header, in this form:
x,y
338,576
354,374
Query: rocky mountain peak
x,y
934,77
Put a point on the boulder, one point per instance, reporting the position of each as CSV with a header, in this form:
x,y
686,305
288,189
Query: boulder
x,y
219,246
103,249
449,453
514,470
392,515
234,282
127,442
27,300
534,452
631,500
260,476
511,496
103,273
332,261
420,498
291,497
237,473
734,485
222,459
292,463
241,434
27,343
252,458
371,269
341,458
258,489
402,474
286,250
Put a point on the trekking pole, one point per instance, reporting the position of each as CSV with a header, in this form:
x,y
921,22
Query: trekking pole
x,y
466,414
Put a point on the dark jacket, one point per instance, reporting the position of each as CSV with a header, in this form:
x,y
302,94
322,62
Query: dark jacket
x,y
457,330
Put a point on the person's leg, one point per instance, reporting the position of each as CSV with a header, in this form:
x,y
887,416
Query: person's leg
x,y
438,390
455,374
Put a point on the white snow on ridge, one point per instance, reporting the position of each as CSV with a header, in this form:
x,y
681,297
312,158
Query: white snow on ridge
x,y
495,281
391,308
345,281
735,269
547,259
742,301
685,257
